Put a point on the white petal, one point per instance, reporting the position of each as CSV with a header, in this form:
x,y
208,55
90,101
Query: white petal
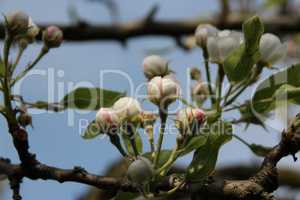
x,y
269,43
226,46
213,49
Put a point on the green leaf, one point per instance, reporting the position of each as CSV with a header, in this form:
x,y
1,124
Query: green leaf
x,y
260,150
163,157
248,116
281,87
238,65
212,116
138,143
195,143
257,149
92,131
205,157
90,98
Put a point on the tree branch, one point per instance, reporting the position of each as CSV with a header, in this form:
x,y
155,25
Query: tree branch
x,y
175,29
257,187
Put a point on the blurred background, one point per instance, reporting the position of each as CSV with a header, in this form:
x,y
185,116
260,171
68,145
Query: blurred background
x,y
55,137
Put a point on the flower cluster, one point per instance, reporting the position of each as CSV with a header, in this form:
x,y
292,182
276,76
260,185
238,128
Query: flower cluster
x,y
163,89
126,110
21,28
220,44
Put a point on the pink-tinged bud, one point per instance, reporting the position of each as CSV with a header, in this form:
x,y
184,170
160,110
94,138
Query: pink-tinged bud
x,y
163,91
17,22
155,66
107,119
188,120
52,37
127,109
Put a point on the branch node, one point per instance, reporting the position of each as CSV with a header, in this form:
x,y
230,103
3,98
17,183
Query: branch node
x,y
151,14
79,170
15,183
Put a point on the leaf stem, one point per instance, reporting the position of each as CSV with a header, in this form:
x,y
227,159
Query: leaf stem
x,y
43,52
236,95
207,72
18,58
133,144
245,84
115,140
149,130
164,169
6,86
219,84
163,117
229,91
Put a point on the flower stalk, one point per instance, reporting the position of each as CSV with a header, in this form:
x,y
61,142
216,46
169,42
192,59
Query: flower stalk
x,y
163,117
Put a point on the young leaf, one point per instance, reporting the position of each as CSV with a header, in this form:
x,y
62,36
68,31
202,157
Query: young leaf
x,y
240,62
128,145
257,149
260,150
248,116
90,98
195,143
163,157
280,87
205,157
92,131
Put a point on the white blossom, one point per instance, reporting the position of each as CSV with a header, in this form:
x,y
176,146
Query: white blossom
x,y
203,32
219,47
155,66
163,91
127,109
271,49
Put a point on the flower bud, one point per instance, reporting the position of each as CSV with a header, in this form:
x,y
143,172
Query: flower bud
x,y
203,32
33,31
189,119
155,66
52,37
107,120
30,35
140,171
271,49
222,45
127,109
195,74
148,118
25,119
163,91
17,22
200,92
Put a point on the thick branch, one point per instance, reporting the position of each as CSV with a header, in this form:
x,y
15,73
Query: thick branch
x,y
77,174
175,29
257,187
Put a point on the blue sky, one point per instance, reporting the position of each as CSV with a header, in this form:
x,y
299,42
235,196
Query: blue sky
x,y
58,144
